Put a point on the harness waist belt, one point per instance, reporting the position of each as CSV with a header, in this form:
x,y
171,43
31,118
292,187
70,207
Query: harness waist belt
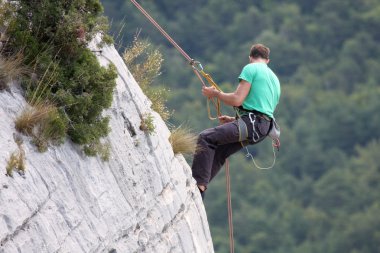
x,y
260,114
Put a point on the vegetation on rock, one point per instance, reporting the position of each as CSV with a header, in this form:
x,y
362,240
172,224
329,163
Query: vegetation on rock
x,y
53,36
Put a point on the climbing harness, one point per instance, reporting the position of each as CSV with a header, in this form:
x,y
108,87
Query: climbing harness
x,y
274,134
243,130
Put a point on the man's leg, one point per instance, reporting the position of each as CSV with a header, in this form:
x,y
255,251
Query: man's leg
x,y
221,154
208,142
218,143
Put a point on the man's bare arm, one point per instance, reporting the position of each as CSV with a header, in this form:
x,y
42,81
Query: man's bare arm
x,y
235,98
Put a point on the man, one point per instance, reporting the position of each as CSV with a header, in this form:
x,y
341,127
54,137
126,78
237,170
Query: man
x,y
255,99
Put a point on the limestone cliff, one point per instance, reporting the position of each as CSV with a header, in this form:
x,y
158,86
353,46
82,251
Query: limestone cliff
x,y
142,200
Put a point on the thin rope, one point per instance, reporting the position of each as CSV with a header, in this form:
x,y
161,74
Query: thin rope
x,y
259,167
187,57
229,205
165,34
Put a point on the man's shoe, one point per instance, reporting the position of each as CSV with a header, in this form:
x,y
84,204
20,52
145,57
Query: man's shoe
x,y
202,194
202,190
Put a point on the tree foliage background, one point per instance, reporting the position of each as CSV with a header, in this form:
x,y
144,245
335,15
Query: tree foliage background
x,y
324,193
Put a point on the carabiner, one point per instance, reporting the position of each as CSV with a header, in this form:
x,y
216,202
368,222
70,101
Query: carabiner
x,y
196,65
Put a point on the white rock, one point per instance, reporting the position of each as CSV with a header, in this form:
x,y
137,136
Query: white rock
x,y
142,200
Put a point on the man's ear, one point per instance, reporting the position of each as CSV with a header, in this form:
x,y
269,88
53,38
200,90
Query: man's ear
x,y
268,60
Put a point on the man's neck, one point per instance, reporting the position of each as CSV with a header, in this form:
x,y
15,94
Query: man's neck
x,y
258,60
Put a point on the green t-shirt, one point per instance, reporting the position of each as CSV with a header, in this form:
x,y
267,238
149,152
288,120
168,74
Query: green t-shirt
x,y
265,90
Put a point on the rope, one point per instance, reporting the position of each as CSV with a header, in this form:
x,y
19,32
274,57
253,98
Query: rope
x,y
249,155
229,206
165,34
198,70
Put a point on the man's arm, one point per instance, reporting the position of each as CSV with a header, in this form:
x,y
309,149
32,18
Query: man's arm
x,y
235,98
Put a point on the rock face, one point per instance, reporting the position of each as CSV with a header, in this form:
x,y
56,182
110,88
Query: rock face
x,y
142,200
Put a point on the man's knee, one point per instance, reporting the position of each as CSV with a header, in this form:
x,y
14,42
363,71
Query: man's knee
x,y
206,137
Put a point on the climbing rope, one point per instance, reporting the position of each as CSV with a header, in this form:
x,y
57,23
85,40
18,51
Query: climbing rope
x,y
229,206
196,65
199,71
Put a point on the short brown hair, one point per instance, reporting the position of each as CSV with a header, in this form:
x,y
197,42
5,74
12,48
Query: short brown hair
x,y
259,51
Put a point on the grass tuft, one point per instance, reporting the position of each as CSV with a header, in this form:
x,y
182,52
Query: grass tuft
x,y
16,161
43,123
32,116
183,141
11,68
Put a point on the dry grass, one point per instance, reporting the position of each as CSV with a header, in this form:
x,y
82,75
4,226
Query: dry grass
x,y
183,141
16,161
159,98
40,122
12,68
145,64
33,116
11,164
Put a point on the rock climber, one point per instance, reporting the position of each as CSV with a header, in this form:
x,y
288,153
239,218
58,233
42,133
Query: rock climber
x,y
255,100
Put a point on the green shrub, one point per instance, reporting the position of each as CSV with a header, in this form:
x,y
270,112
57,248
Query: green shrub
x,y
6,10
98,148
51,130
53,36
147,123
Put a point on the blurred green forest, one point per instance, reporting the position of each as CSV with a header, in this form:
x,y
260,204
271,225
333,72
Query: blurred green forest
x,y
323,195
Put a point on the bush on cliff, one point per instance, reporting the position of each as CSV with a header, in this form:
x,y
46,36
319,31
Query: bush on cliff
x,y
53,37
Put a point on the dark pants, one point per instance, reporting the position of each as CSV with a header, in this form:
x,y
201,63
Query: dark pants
x,y
218,143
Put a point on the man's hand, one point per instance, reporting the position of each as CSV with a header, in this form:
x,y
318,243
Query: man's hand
x,y
225,119
210,92
235,98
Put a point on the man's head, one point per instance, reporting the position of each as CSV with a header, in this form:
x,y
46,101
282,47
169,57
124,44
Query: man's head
x,y
259,51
